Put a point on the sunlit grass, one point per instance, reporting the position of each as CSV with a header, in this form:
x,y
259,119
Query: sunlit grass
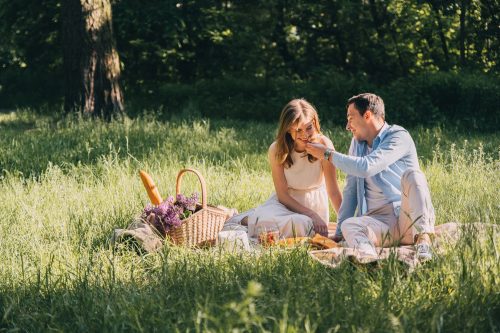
x,y
67,183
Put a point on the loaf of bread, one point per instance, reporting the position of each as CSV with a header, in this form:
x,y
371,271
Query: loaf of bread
x,y
323,242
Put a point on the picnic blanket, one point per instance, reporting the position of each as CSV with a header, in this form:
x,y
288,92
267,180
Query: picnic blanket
x,y
445,235
144,238
139,235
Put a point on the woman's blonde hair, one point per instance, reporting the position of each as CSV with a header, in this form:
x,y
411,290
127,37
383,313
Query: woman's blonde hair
x,y
295,110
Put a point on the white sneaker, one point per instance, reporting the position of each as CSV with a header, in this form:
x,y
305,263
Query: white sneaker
x,y
367,250
424,252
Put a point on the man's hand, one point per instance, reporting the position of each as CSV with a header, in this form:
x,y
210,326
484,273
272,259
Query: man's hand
x,y
316,149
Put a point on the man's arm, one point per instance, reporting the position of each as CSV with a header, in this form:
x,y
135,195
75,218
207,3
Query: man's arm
x,y
389,151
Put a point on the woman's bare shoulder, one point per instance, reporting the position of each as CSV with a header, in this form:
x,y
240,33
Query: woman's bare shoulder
x,y
272,154
273,147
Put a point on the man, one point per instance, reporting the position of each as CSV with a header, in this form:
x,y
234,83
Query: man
x,y
386,199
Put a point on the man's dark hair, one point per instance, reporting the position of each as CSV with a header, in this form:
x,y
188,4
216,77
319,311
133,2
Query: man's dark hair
x,y
368,101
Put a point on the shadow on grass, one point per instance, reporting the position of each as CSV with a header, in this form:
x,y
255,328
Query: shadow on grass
x,y
29,145
183,290
10,121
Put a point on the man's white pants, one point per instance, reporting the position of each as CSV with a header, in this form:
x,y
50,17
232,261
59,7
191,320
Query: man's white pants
x,y
381,227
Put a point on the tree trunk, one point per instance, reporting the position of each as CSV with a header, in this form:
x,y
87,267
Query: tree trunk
x,y
91,62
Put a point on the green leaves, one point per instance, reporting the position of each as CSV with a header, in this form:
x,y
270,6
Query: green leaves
x,y
188,41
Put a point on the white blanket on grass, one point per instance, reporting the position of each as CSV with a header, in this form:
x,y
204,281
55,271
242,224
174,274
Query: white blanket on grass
x,y
446,235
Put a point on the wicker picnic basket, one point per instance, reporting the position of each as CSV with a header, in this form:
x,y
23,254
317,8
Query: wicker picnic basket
x,y
201,228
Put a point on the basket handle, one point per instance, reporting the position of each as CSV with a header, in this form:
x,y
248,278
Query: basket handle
x,y
202,182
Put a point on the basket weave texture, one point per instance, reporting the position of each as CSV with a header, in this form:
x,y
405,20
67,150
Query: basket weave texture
x,y
201,228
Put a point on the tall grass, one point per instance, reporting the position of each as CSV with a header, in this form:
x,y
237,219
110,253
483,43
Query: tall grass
x,y
67,183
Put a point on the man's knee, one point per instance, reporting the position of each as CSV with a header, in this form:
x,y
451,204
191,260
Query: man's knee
x,y
350,224
413,176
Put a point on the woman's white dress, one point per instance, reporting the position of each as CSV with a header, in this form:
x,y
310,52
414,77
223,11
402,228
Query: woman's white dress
x,y
306,184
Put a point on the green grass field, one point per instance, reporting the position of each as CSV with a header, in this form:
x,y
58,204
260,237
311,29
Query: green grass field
x,y
65,184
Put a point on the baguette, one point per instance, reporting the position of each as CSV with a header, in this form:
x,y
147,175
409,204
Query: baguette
x,y
153,193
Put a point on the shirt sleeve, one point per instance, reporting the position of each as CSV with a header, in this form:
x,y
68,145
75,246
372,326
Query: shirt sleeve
x,y
391,149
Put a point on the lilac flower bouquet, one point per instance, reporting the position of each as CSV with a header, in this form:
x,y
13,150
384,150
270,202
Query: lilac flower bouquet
x,y
170,213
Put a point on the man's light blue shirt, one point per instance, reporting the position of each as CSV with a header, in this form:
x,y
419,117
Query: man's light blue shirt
x,y
393,153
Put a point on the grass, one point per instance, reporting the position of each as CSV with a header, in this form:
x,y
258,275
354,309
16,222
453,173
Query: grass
x,y
67,183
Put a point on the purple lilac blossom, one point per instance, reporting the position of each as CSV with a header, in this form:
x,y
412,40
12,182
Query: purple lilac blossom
x,y
169,213
187,203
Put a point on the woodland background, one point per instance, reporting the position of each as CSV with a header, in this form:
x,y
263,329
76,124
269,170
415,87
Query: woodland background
x,y
433,61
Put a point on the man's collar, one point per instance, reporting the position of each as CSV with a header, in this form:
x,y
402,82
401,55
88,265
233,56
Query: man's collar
x,y
381,133
376,140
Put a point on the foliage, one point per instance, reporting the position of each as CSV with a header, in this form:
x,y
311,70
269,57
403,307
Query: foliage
x,y
429,99
190,40
30,53
182,43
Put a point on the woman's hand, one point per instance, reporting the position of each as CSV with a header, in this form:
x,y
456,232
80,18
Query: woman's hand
x,y
319,225
316,149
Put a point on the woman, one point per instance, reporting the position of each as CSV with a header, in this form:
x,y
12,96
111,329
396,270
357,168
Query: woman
x,y
299,207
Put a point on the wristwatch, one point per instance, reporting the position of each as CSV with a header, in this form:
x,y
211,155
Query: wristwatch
x,y
328,153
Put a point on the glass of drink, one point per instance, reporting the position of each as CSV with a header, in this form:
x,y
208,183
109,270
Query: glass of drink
x,y
269,236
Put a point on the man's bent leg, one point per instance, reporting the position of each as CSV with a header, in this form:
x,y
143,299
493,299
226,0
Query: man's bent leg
x,y
364,233
417,213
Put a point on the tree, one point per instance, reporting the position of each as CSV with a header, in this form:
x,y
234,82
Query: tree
x,y
91,62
